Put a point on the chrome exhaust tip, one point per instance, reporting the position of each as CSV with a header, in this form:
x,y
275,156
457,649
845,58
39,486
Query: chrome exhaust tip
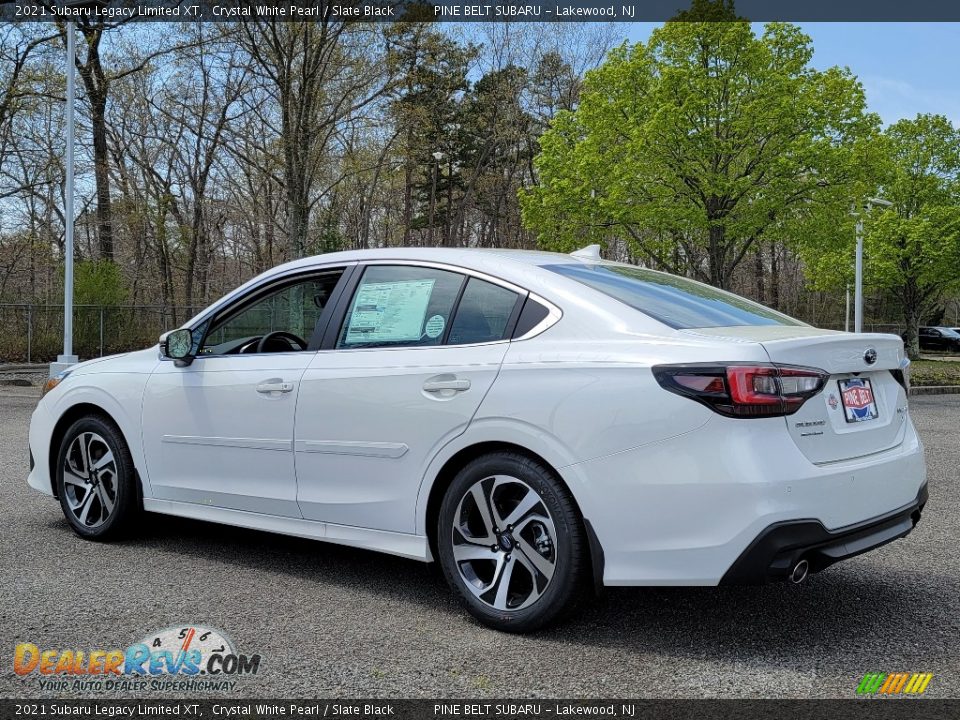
x,y
799,572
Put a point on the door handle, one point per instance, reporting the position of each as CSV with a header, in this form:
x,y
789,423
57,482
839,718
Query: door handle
x,y
274,385
457,385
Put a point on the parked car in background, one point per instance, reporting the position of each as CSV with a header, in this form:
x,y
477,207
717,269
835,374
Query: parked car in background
x,y
944,339
536,423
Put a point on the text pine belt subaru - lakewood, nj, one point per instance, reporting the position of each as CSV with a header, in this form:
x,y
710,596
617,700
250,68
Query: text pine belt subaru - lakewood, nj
x,y
536,423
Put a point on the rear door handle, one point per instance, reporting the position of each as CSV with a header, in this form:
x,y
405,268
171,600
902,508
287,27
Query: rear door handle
x,y
274,385
457,385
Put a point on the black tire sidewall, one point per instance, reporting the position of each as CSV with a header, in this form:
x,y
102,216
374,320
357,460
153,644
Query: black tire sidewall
x,y
563,588
127,500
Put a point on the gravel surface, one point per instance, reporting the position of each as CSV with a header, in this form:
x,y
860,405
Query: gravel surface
x,y
23,379
331,621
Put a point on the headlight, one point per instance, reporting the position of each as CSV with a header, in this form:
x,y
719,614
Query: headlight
x,y
54,381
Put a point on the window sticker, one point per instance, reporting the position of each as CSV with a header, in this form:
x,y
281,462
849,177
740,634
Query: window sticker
x,y
389,312
434,327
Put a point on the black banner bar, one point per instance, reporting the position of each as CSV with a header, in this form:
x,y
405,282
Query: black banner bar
x,y
339,709
465,11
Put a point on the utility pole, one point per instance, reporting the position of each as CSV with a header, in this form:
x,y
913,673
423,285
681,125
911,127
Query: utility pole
x,y
858,265
858,282
67,359
437,157
846,316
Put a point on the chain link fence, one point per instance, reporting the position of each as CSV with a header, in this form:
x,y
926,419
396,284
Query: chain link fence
x,y
33,333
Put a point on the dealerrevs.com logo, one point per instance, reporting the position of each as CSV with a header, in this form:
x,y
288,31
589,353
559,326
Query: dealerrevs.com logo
x,y
186,658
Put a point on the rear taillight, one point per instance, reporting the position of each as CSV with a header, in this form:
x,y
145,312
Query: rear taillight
x,y
743,391
902,375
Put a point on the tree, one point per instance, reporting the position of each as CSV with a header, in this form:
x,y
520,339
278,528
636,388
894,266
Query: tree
x,y
431,71
18,46
696,146
911,250
97,72
319,75
496,147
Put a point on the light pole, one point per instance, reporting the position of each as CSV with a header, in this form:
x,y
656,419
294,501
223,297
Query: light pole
x,y
68,358
846,315
858,264
437,157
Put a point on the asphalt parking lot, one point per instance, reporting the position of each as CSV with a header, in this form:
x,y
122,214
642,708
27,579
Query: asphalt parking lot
x,y
331,621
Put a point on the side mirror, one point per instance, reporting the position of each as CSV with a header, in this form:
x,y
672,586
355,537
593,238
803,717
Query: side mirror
x,y
178,346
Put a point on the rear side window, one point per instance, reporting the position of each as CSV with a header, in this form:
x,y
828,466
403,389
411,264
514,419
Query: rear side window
x,y
483,314
400,306
674,301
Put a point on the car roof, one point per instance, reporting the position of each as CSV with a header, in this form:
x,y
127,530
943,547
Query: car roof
x,y
465,256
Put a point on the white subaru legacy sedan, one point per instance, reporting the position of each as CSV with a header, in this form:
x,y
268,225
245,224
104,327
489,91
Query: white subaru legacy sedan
x,y
536,423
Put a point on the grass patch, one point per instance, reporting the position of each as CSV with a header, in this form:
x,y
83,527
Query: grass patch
x,y
934,372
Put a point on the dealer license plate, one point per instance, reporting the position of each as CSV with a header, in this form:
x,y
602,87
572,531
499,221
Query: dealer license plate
x,y
859,404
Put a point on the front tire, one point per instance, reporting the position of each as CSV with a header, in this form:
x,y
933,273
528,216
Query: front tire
x,y
96,481
511,542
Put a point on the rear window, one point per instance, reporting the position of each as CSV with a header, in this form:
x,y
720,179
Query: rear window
x,y
674,301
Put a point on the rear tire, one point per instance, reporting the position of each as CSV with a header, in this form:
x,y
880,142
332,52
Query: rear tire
x,y
511,542
96,480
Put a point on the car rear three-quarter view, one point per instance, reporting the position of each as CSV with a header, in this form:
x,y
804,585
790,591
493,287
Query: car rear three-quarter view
x,y
537,423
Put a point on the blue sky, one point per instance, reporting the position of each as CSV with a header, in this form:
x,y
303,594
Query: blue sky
x,y
906,68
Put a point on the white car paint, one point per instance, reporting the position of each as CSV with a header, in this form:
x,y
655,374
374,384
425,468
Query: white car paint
x,y
349,445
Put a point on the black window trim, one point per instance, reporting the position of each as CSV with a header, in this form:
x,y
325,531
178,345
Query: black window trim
x,y
338,317
274,284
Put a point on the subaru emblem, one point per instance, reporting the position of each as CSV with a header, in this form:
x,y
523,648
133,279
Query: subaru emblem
x,y
870,356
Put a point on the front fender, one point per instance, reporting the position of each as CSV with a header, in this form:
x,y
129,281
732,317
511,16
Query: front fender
x,y
123,403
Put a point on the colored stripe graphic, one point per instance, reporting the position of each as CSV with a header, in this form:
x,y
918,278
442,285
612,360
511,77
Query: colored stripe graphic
x,y
870,683
922,686
894,683
898,685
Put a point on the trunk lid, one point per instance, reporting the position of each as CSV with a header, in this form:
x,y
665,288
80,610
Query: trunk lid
x,y
839,423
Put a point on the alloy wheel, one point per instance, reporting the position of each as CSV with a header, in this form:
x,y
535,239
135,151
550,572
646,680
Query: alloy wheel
x,y
504,543
90,479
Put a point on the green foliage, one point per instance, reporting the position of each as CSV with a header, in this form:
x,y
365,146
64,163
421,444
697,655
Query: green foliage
x,y
98,282
328,241
695,146
935,372
911,250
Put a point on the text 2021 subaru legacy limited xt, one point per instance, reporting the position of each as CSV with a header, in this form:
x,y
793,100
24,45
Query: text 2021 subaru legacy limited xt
x,y
535,422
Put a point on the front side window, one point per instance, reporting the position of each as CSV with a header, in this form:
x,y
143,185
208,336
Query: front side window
x,y
675,301
400,306
280,320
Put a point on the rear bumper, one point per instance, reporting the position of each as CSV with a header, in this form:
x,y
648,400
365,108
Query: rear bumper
x,y
682,511
779,547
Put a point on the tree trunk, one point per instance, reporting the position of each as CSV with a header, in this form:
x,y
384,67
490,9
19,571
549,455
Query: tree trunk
x,y
298,212
718,275
96,85
758,271
101,171
193,248
911,336
774,277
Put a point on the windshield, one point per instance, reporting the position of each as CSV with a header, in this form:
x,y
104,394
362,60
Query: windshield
x,y
674,301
